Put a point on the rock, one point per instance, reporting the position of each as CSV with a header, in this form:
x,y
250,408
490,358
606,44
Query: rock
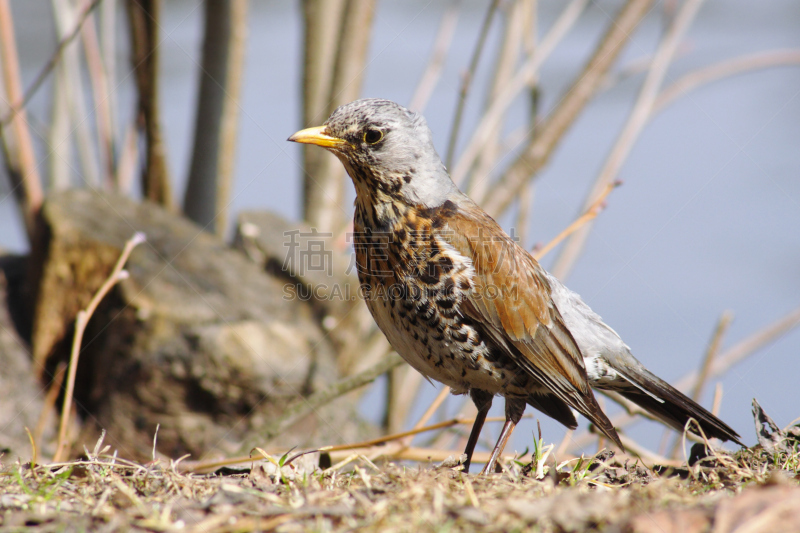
x,y
320,269
21,400
318,260
198,340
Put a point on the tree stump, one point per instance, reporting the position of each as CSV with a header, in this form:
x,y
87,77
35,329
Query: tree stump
x,y
198,340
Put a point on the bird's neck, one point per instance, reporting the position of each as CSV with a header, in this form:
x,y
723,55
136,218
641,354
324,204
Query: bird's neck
x,y
379,212
386,214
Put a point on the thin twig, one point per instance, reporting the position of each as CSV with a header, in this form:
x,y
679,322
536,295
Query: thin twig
x,y
638,117
434,406
325,183
466,82
127,161
562,447
102,100
410,433
117,274
711,352
20,103
590,214
493,116
210,465
50,400
428,454
505,67
21,161
745,348
207,195
401,395
404,396
433,70
344,457
144,17
724,69
717,402
467,410
303,406
71,74
526,197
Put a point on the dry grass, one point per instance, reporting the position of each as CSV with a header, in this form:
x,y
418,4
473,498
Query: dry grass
x,y
103,492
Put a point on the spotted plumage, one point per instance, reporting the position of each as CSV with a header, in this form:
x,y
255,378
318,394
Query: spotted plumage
x,y
461,302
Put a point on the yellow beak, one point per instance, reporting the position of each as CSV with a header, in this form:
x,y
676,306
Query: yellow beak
x,y
318,136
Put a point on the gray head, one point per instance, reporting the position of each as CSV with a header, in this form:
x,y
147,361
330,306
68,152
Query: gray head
x,y
387,150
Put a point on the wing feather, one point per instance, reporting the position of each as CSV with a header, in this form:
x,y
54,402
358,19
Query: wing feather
x,y
511,298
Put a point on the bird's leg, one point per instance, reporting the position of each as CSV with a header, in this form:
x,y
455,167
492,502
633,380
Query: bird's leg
x,y
514,409
483,401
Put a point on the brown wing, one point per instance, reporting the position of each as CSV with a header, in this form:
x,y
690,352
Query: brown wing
x,y
511,299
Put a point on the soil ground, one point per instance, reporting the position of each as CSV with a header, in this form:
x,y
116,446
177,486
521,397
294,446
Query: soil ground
x,y
749,491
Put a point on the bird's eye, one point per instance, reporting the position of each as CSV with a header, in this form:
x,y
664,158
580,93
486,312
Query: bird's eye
x,y
372,136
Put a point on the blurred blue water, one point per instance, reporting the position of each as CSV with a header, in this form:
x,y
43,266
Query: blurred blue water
x,y
708,218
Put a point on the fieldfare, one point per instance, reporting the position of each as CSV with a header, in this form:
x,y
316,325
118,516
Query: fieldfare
x,y
465,305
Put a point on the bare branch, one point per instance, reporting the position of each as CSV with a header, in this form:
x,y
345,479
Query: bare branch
x,y
75,96
304,406
538,152
404,384
144,17
126,163
325,179
717,402
48,68
713,348
19,155
590,214
210,178
637,119
433,70
724,69
744,349
505,66
407,436
466,82
493,116
711,352
99,79
322,28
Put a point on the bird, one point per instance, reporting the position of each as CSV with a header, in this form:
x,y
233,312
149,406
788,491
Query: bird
x,y
463,303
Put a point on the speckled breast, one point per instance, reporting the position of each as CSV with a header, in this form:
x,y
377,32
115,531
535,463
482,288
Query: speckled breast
x,y
414,284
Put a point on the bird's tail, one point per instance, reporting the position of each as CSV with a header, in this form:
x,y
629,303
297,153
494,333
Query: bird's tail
x,y
676,408
597,417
